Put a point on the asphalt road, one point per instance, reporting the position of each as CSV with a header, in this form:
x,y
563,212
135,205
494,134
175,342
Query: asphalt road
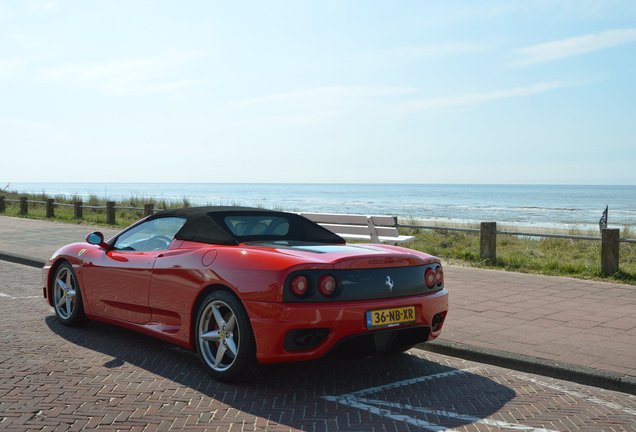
x,y
102,377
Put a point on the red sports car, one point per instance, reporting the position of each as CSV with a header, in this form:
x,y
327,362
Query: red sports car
x,y
246,287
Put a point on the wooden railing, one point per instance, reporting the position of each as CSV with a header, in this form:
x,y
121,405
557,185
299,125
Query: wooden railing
x,y
78,208
610,241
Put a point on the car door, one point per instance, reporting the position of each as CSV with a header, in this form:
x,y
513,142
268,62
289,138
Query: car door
x,y
119,284
119,278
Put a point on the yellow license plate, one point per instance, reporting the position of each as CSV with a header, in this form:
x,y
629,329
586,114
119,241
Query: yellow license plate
x,y
390,317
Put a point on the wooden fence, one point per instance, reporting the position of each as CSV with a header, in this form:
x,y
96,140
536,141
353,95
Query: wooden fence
x,y
78,208
610,237
610,242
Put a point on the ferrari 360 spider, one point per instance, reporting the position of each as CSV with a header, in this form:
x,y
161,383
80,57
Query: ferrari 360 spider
x,y
246,287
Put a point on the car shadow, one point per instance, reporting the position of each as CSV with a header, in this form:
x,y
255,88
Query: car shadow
x,y
377,392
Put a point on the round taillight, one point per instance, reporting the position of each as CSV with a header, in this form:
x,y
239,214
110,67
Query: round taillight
x,y
327,285
429,277
299,285
439,276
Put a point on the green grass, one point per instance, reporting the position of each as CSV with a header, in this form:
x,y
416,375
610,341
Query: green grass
x,y
539,255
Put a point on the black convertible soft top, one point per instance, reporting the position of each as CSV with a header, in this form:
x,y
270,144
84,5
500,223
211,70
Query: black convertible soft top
x,y
224,225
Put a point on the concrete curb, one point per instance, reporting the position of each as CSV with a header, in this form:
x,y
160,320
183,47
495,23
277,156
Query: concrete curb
x,y
19,259
569,372
523,363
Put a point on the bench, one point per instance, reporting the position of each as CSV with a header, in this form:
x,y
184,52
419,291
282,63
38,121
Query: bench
x,y
376,229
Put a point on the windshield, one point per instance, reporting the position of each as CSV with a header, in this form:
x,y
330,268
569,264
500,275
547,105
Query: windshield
x,y
152,235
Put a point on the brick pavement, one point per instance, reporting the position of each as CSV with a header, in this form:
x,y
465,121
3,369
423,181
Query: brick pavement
x,y
580,330
101,377
585,323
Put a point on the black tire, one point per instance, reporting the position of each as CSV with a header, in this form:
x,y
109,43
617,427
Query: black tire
x,y
67,296
224,339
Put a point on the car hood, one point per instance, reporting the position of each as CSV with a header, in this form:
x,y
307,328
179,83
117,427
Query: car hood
x,y
350,255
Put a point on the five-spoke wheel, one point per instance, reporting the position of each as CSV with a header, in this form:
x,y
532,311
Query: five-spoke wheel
x,y
224,338
67,298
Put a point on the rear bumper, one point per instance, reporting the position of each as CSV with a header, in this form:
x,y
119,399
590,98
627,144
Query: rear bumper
x,y
343,325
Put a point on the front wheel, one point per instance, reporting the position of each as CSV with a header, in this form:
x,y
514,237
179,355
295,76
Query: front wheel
x,y
224,339
67,297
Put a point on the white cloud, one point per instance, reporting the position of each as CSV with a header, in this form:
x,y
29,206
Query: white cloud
x,y
328,96
445,49
323,103
11,67
551,51
309,117
129,76
43,6
18,122
173,85
21,135
315,105
475,98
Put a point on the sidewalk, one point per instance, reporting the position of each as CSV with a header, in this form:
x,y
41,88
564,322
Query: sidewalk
x,y
571,329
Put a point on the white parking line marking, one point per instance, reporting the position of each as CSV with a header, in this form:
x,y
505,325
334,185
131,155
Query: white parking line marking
x,y
360,404
580,395
382,408
464,417
16,298
411,381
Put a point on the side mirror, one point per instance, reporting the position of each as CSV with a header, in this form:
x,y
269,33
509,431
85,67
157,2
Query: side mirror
x,y
97,238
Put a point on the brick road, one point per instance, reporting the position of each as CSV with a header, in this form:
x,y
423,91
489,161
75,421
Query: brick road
x,y
102,377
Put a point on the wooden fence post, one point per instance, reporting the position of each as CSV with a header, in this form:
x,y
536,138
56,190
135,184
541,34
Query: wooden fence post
x,y
2,205
149,209
24,205
77,209
609,250
110,212
488,241
50,209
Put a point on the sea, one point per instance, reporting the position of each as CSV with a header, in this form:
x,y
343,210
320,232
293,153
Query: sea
x,y
548,206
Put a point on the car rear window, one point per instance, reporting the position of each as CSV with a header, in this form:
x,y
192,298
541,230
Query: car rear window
x,y
242,225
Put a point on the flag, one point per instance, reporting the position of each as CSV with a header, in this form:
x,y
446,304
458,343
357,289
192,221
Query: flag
x,y
603,222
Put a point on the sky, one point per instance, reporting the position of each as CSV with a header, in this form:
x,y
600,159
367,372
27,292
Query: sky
x,y
355,91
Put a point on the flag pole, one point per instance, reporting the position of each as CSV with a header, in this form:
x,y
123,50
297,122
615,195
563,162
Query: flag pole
x,y
603,222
